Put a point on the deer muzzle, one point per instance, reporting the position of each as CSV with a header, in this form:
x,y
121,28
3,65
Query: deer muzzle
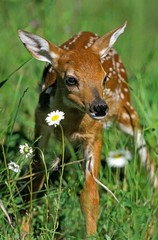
x,y
98,109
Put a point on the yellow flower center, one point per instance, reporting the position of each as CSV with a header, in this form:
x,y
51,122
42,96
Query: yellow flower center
x,y
118,155
26,150
55,118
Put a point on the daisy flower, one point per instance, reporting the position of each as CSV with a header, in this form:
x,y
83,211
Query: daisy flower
x,y
26,150
14,167
54,118
118,159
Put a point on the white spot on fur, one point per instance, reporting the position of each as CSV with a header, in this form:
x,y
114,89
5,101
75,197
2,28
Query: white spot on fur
x,y
118,65
91,41
122,70
108,92
133,116
131,107
126,129
66,47
125,89
109,75
50,69
43,86
128,104
107,58
122,95
107,78
125,116
103,59
53,55
75,38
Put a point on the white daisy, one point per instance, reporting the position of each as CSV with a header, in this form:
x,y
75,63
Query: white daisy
x,y
54,118
14,167
118,158
26,150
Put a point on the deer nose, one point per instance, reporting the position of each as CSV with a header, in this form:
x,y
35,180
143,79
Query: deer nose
x,y
99,110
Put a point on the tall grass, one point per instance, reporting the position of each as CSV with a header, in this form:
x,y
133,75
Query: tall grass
x,y
57,21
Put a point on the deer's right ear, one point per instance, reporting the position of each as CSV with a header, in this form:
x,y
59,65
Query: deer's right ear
x,y
40,48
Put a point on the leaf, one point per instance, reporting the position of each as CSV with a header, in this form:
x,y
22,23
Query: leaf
x,y
107,237
4,81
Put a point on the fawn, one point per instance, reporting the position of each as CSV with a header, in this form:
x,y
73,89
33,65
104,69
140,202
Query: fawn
x,y
86,79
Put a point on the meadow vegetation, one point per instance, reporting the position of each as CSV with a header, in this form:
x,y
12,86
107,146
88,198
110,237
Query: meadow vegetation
x,y
136,217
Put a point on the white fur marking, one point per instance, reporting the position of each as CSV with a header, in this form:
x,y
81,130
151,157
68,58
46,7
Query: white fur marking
x,y
125,89
88,155
122,70
91,41
126,129
133,116
66,47
125,116
75,38
50,69
122,95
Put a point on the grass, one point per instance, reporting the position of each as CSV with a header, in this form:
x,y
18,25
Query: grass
x,y
57,21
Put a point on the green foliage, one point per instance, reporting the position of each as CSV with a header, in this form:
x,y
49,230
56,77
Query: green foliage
x,y
20,76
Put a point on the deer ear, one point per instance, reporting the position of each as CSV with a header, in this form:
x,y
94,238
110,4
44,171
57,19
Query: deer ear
x,y
40,48
105,43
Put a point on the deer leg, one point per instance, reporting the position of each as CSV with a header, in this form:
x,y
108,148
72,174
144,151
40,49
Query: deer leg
x,y
89,197
128,122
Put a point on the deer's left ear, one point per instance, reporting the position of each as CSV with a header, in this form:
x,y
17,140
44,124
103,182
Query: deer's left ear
x,y
39,47
105,43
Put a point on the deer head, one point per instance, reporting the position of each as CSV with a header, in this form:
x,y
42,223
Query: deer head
x,y
80,75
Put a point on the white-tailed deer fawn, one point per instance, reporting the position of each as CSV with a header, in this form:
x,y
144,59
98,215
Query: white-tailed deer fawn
x,y
86,79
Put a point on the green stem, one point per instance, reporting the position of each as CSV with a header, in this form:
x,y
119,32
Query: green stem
x,y
47,185
60,183
31,189
10,191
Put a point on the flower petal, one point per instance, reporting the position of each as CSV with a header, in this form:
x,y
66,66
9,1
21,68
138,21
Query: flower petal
x,y
54,118
118,158
14,167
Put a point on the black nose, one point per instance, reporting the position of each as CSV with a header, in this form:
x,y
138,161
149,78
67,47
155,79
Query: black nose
x,y
100,110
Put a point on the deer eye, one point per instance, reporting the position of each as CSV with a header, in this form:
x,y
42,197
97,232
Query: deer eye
x,y
71,81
